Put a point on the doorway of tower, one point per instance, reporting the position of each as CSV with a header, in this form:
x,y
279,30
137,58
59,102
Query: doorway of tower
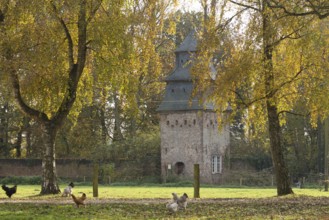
x,y
179,168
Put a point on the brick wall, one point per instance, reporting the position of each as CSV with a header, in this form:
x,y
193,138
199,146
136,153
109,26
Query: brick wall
x,y
66,168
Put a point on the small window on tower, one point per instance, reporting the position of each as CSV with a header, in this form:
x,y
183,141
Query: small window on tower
x,y
216,163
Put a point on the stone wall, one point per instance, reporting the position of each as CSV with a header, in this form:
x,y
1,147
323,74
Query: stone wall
x,y
188,138
66,168
180,142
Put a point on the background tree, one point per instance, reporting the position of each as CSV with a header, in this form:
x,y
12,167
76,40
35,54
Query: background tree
x,y
128,64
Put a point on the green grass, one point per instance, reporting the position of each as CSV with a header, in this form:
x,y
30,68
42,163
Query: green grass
x,y
142,202
151,192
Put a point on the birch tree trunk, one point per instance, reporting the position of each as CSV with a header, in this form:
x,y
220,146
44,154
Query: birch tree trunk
x,y
49,175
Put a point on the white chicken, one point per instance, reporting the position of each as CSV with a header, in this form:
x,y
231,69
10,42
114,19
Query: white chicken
x,y
172,207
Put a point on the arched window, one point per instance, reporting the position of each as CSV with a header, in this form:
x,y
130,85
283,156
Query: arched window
x,y
179,167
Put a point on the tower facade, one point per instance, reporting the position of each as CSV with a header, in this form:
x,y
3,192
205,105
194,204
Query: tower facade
x,y
189,129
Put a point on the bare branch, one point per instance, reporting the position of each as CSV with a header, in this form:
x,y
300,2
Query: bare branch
x,y
268,95
293,113
67,34
288,36
94,10
244,5
228,21
76,70
37,115
321,10
274,91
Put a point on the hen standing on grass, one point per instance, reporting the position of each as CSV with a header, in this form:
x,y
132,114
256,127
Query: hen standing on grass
x,y
80,200
68,190
9,191
173,205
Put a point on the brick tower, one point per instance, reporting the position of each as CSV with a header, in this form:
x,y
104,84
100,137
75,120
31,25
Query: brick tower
x,y
189,129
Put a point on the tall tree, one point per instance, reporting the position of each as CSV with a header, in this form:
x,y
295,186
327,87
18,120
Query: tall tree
x,y
41,61
273,59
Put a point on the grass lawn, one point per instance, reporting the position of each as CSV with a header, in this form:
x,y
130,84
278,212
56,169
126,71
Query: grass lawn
x,y
155,192
137,202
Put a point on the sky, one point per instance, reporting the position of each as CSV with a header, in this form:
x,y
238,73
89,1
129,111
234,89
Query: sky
x,y
189,5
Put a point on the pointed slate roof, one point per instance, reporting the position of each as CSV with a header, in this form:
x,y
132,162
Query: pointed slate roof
x,y
179,88
189,44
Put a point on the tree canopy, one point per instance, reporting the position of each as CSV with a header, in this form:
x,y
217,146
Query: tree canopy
x,y
271,64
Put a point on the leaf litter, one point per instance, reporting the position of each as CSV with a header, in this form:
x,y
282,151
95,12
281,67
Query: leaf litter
x,y
286,207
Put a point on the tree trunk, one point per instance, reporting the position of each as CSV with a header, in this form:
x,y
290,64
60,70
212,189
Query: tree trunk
x,y
4,131
103,124
117,134
280,168
321,146
18,144
28,143
49,175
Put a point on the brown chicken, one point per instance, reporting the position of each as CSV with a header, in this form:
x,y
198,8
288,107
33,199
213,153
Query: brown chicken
x,y
80,200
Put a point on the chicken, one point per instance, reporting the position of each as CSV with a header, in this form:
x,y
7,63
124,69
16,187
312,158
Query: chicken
x,y
79,201
68,190
182,201
9,191
172,207
175,197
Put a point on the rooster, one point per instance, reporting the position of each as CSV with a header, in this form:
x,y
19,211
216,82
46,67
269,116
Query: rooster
x,y
80,200
174,197
182,201
9,191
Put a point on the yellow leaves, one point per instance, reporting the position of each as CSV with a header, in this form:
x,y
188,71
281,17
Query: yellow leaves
x,y
172,27
35,35
127,60
296,64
